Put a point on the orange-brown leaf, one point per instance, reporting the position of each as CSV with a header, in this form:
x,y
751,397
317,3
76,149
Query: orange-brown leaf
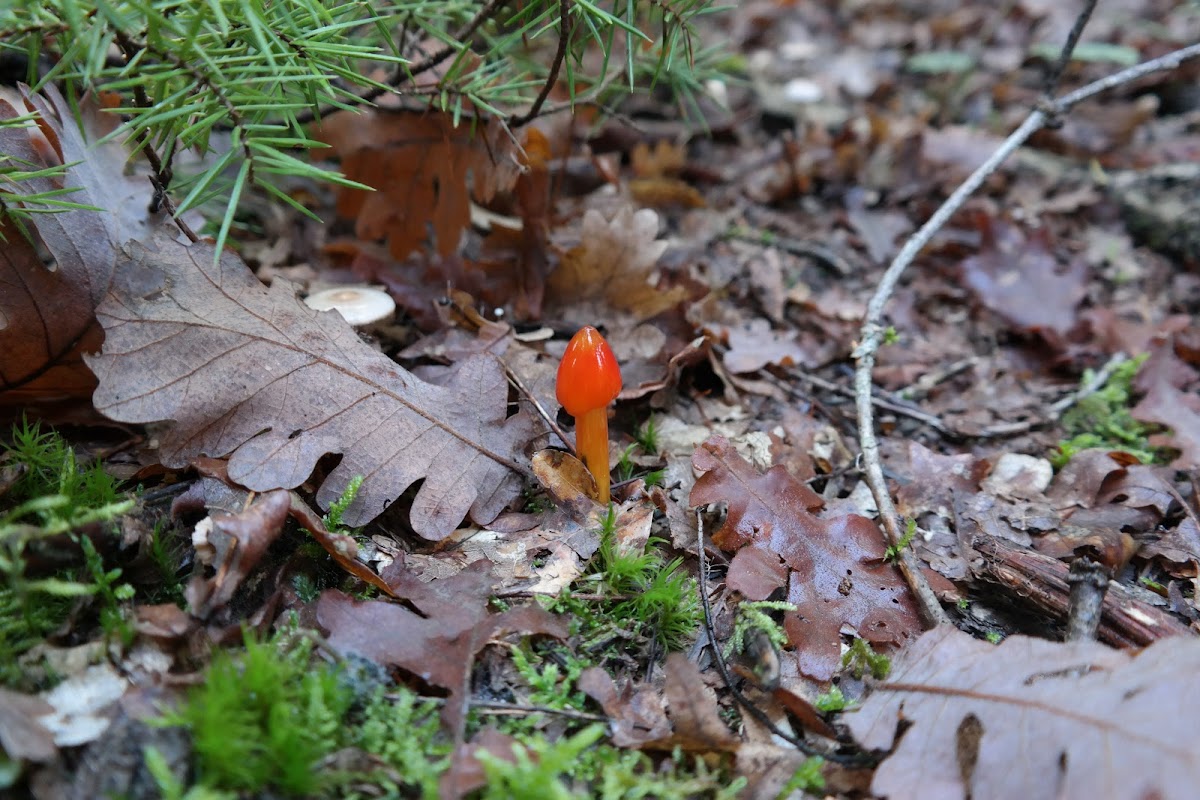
x,y
837,572
425,172
613,264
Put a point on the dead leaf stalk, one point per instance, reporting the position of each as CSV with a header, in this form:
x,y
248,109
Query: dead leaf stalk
x,y
821,255
1064,57
872,333
512,709
516,381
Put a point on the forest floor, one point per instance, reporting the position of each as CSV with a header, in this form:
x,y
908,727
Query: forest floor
x,y
443,608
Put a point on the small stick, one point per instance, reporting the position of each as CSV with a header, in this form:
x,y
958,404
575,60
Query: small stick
x,y
1089,583
1060,406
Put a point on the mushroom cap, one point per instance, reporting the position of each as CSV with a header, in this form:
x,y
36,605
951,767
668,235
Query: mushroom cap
x,y
358,305
588,375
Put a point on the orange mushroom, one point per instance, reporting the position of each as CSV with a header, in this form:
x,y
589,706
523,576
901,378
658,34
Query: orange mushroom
x,y
589,378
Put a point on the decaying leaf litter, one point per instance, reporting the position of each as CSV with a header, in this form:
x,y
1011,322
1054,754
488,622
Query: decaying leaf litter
x,y
730,269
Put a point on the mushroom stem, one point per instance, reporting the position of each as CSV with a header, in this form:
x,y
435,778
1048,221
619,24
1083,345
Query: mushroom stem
x,y
591,442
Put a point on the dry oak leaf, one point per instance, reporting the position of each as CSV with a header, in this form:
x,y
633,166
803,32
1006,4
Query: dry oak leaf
x,y
439,640
46,314
1171,400
1035,719
837,572
613,264
694,712
425,170
252,373
1018,276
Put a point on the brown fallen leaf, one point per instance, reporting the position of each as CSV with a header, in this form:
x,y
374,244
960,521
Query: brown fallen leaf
x,y
695,715
425,171
665,193
342,547
664,158
837,572
755,345
253,373
47,313
636,713
1035,719
437,645
466,774
613,263
1170,385
1018,276
22,736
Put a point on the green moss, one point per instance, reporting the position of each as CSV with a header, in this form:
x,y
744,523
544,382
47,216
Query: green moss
x,y
578,766
53,496
405,734
263,719
50,468
892,553
754,616
22,625
1102,419
833,700
808,777
862,659
642,596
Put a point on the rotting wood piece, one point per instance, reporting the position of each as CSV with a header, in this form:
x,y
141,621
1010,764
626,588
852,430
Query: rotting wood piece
x,y
1039,581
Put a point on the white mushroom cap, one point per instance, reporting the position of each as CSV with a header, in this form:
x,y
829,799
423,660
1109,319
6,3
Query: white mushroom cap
x,y
359,305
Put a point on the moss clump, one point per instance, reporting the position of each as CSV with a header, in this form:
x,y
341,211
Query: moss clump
x,y
1102,419
263,720
52,496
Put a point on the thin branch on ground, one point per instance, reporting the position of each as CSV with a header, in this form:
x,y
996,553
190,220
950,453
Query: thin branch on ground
x,y
564,39
822,255
1059,407
1068,48
880,399
872,333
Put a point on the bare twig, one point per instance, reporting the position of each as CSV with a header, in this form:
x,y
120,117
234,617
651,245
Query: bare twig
x,y
516,381
1060,406
872,332
162,173
564,39
824,256
1068,48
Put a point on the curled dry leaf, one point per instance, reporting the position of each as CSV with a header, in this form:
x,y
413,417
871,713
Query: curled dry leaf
x,y
837,575
613,264
238,541
1171,400
637,713
253,373
695,715
1035,719
425,171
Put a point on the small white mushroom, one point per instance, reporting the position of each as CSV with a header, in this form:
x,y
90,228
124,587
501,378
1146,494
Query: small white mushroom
x,y
358,305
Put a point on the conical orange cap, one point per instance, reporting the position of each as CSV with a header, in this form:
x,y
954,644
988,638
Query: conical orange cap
x,y
588,375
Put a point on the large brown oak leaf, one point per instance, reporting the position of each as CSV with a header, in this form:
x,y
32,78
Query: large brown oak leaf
x,y
252,373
